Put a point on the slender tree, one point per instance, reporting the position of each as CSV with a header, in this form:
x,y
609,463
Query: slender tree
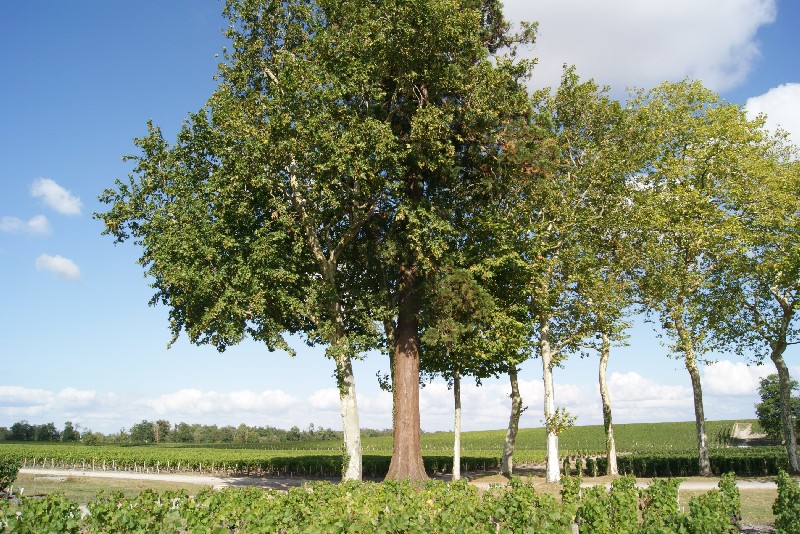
x,y
555,220
694,146
461,335
758,289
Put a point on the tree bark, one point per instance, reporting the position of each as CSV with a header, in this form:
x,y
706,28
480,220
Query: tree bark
x,y
611,448
687,347
457,423
406,451
350,423
787,421
778,347
507,462
699,416
553,471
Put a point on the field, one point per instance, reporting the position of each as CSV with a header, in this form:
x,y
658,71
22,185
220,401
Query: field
x,y
647,444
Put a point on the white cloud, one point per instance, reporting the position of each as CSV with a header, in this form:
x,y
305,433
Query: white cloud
x,y
639,399
59,266
737,379
193,402
29,402
630,42
326,399
37,225
53,195
781,105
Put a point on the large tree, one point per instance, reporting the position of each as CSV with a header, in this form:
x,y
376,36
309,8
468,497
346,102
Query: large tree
x,y
758,291
335,123
695,145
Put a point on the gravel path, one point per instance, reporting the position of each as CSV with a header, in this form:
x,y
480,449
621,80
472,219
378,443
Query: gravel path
x,y
279,483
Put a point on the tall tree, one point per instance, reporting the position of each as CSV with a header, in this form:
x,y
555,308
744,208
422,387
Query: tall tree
x,y
556,216
757,297
693,148
464,334
334,123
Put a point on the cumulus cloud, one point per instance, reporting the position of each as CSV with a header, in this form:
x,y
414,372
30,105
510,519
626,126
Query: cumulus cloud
x,y
193,402
56,197
37,225
735,379
59,266
629,42
636,398
781,105
29,402
326,399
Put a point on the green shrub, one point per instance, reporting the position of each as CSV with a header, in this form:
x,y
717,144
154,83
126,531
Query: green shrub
x,y
9,468
623,503
593,513
787,505
708,515
659,504
731,499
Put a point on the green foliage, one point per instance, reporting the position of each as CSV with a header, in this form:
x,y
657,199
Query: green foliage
x,y
623,500
731,499
708,515
53,514
761,461
659,504
768,410
787,505
570,489
376,508
593,516
9,468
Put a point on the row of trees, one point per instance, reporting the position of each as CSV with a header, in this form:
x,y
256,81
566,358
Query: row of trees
x,y
161,431
24,431
375,175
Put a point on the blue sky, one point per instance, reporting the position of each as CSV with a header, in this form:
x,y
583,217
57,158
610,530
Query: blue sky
x,y
79,342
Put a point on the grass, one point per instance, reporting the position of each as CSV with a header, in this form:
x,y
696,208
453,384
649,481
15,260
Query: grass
x,y
756,504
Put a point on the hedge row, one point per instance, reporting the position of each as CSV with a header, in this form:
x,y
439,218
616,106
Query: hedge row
x,y
743,462
387,507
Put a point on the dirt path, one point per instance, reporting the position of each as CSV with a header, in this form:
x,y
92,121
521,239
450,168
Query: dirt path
x,y
279,483
481,480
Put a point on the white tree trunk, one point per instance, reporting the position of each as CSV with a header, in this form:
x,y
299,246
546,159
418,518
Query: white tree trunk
x,y
553,472
611,448
457,424
507,462
350,423
787,421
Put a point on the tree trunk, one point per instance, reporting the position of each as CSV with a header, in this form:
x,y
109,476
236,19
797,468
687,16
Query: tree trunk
x,y
457,423
406,451
611,448
507,462
787,421
687,347
553,472
349,408
778,347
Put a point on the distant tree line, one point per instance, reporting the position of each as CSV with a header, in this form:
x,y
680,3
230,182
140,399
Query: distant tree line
x,y
162,431
24,431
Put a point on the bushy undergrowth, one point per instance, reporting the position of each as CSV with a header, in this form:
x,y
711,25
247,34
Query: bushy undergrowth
x,y
398,507
8,473
787,506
